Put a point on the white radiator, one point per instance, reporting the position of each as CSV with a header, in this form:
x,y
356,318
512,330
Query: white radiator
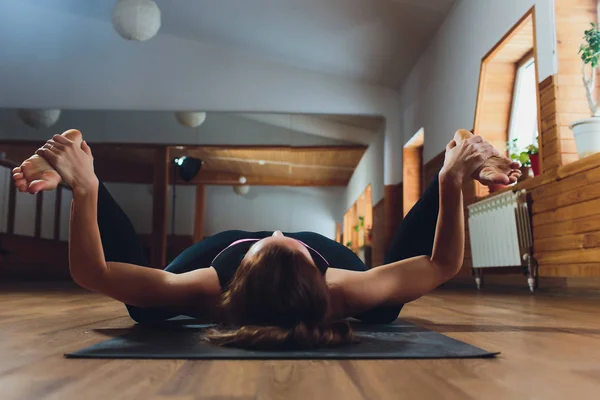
x,y
500,233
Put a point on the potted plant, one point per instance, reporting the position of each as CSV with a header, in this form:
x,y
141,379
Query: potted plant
x,y
587,131
360,228
534,158
522,156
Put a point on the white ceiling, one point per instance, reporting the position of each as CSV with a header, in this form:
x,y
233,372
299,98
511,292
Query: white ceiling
x,y
374,41
249,129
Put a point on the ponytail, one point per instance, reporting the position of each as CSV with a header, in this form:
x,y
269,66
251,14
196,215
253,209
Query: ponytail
x,y
301,337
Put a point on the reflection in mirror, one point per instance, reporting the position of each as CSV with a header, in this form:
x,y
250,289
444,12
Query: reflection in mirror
x,y
242,171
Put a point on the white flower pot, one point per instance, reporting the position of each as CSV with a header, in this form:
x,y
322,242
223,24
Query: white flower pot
x,y
587,136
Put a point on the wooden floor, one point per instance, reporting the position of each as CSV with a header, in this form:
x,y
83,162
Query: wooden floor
x,y
550,348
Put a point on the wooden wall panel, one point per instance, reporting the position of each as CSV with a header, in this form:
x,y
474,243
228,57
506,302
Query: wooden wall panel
x,y
495,102
159,209
550,141
572,270
566,220
582,194
285,165
572,19
412,180
48,262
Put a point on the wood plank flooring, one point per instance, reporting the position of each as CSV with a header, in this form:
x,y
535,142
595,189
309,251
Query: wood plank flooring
x,y
550,348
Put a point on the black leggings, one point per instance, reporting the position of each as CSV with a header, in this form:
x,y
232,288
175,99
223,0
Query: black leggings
x,y
121,243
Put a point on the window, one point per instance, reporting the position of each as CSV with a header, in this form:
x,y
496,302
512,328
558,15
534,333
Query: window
x,y
358,222
507,106
412,170
524,114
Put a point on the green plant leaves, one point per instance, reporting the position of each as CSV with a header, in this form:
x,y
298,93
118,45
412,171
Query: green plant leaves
x,y
531,149
590,52
524,158
519,155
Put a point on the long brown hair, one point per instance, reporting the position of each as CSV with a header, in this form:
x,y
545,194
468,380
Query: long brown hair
x,y
278,299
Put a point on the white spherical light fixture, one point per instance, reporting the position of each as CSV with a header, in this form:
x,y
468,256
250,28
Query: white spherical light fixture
x,y
191,119
37,119
136,19
242,190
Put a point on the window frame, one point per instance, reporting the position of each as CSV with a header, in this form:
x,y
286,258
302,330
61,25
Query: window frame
x,y
525,61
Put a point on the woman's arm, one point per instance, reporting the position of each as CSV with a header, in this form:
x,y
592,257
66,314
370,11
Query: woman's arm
x,y
86,256
407,280
131,284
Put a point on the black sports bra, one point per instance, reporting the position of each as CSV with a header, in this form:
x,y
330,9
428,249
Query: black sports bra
x,y
228,261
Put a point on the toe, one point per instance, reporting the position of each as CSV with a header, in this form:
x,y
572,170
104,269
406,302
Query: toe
x,y
74,135
37,186
21,186
500,179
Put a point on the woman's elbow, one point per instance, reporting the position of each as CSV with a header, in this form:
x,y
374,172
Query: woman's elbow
x,y
82,281
447,270
87,280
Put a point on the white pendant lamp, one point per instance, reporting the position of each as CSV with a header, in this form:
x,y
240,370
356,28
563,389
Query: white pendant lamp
x,y
136,19
242,190
191,119
39,118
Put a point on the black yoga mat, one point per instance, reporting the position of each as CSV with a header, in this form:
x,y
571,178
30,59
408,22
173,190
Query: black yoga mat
x,y
182,340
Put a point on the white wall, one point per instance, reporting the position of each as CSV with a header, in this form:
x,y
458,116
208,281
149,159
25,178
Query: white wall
x,y
288,209
370,165
72,62
65,214
440,93
25,214
25,209
136,202
264,208
48,215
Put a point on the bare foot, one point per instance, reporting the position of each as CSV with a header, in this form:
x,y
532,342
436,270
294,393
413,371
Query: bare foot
x,y
497,170
35,174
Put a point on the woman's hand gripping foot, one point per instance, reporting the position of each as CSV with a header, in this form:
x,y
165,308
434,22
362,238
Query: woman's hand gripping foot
x,y
35,174
72,161
496,169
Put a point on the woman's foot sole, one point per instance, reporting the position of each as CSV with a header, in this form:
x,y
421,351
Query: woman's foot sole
x,y
35,174
497,170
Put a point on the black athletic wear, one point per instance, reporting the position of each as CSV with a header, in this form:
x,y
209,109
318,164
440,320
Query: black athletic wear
x,y
120,242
